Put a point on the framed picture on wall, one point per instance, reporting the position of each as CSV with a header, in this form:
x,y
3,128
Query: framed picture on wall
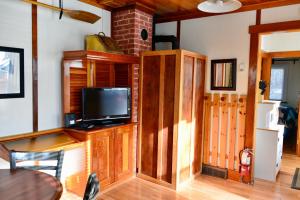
x,y
223,74
11,72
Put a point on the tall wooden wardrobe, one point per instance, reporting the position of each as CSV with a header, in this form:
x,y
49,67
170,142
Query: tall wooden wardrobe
x,y
170,116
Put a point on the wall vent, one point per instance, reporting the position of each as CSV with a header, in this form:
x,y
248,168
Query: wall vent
x,y
214,171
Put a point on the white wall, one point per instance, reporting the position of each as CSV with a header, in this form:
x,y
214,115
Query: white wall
x,y
281,41
280,14
169,28
15,31
226,36
54,37
221,37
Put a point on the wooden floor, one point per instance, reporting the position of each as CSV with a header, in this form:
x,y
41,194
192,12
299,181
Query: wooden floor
x,y
289,163
204,187
209,188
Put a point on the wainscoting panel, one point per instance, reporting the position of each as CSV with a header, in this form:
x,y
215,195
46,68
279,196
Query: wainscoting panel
x,y
224,129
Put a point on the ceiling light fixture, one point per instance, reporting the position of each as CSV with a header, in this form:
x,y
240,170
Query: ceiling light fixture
x,y
219,6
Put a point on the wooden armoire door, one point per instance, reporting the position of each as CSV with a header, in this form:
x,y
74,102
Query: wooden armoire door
x,y
198,98
103,157
150,84
185,117
190,116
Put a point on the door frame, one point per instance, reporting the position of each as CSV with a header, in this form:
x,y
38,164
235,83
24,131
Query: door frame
x,y
266,75
255,32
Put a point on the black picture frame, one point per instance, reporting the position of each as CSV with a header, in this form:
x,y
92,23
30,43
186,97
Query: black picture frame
x,y
21,92
233,63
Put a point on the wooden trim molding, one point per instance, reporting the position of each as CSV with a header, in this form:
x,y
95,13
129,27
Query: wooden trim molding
x,y
274,27
34,68
284,54
267,58
191,14
252,90
258,17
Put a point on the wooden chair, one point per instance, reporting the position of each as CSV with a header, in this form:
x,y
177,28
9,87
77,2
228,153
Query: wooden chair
x,y
92,187
16,156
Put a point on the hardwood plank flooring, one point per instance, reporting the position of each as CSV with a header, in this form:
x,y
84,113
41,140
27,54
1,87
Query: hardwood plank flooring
x,y
289,163
202,188
206,188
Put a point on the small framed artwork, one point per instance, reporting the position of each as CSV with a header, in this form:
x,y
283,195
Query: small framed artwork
x,y
11,72
223,74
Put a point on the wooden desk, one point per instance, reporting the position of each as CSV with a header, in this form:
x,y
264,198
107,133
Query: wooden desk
x,y
50,142
54,141
24,184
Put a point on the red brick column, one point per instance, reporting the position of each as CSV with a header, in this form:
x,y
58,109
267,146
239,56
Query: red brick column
x,y
127,25
126,30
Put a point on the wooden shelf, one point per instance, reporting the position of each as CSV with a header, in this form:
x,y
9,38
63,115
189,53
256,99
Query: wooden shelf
x,y
101,57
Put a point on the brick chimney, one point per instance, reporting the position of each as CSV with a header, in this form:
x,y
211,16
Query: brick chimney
x,y
127,25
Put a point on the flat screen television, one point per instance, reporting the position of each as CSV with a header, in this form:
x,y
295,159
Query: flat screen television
x,y
106,104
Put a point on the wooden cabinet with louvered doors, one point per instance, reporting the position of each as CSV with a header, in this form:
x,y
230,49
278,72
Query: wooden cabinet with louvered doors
x,y
123,152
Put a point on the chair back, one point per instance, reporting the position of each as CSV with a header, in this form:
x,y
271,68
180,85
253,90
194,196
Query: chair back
x,y
19,156
92,188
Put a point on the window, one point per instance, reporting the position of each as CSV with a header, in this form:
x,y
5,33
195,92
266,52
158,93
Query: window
x,y
278,83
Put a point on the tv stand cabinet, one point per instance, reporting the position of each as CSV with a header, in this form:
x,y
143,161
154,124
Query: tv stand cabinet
x,y
109,152
84,69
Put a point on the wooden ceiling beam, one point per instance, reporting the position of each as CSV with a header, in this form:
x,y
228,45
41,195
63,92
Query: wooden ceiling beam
x,y
275,27
284,54
184,15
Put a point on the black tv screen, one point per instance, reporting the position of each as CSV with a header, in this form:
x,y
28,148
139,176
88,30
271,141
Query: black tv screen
x,y
105,103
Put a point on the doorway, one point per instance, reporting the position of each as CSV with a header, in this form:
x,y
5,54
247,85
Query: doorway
x,y
280,70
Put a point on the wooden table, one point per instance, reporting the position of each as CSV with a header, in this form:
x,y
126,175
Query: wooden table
x,y
22,184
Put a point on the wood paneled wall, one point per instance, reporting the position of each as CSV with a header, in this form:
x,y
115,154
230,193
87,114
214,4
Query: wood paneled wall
x,y
224,129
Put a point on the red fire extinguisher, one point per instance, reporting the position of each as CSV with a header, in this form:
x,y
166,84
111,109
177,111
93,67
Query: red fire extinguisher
x,y
246,156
